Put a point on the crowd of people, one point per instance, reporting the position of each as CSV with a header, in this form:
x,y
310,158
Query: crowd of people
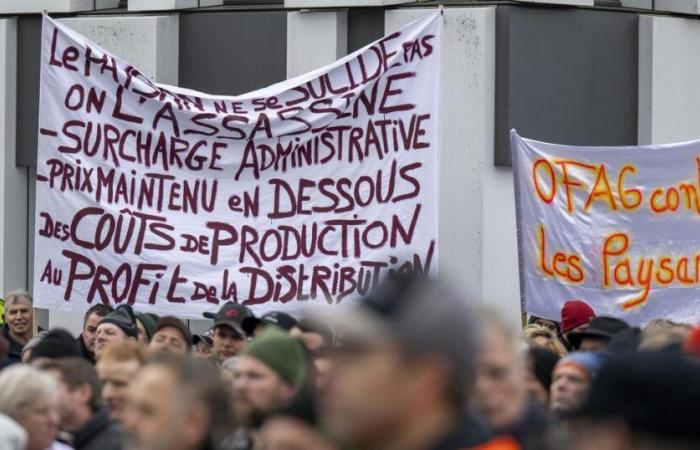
x,y
412,366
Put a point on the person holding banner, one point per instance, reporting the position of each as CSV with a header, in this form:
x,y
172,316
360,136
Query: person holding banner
x,y
19,324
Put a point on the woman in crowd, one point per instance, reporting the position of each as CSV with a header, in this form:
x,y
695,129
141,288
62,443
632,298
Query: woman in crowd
x,y
30,397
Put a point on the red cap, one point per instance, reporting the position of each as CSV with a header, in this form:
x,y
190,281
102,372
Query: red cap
x,y
692,343
574,314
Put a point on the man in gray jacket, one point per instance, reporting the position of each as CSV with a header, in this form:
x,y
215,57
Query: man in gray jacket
x,y
85,423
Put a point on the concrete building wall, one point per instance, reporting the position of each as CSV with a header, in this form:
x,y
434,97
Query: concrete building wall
x,y
669,79
13,179
477,242
256,47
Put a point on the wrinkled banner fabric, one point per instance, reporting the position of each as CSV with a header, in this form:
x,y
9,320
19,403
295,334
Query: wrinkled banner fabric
x,y
618,227
302,194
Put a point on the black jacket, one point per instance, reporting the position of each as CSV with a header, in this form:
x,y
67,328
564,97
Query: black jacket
x,y
84,352
470,432
98,433
15,355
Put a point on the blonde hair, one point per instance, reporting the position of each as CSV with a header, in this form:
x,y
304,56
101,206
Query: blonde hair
x,y
533,331
22,385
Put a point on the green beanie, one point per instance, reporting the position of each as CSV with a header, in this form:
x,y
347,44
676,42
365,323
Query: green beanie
x,y
280,352
149,323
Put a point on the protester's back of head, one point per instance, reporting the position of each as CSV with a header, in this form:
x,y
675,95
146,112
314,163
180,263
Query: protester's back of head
x,y
76,372
57,343
644,401
409,347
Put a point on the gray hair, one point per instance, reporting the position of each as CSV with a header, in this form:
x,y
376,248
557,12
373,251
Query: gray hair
x,y
22,385
13,297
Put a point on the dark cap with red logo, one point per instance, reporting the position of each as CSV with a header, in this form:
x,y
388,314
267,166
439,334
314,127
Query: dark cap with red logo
x,y
231,315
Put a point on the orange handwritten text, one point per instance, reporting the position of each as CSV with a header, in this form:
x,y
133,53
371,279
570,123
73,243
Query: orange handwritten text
x,y
566,177
622,270
560,265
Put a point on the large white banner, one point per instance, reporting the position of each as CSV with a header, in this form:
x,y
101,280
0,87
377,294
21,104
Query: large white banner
x,y
302,194
618,227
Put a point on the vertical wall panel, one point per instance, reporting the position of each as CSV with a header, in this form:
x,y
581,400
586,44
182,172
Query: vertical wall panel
x,y
477,247
566,75
315,39
365,25
13,179
249,50
669,80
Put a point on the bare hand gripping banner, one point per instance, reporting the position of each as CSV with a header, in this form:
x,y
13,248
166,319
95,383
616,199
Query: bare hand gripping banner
x,y
618,227
301,194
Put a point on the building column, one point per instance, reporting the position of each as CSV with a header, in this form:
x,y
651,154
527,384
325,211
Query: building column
x,y
315,39
13,179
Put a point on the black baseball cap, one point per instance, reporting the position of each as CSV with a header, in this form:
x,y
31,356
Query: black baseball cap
x,y
602,327
207,338
231,315
277,318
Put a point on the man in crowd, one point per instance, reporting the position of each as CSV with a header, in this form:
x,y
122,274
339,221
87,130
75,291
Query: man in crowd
x,y
116,369
501,391
92,318
19,324
171,335
146,324
177,404
117,326
643,401
85,422
269,372
596,336
575,314
399,351
203,344
571,381
229,335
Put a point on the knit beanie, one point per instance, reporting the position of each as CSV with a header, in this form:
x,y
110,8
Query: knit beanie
x,y
574,314
588,362
57,343
174,322
124,318
280,352
692,343
149,323
543,362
